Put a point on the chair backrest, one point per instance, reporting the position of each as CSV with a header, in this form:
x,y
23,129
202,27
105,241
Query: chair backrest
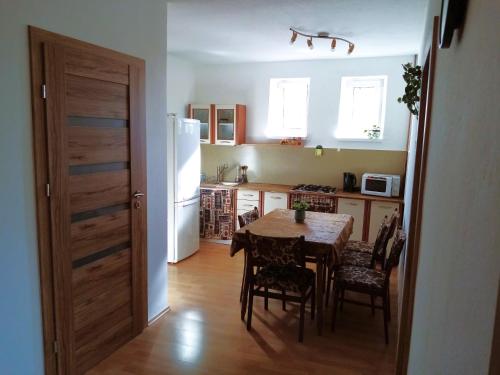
x,y
280,251
393,224
248,217
396,249
381,237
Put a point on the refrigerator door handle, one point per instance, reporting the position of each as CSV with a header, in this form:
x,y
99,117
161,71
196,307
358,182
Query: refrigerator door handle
x,y
189,204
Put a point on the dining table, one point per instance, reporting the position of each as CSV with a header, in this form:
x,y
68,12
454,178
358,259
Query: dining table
x,y
325,237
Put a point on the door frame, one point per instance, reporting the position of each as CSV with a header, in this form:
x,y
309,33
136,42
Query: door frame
x,y
418,193
53,363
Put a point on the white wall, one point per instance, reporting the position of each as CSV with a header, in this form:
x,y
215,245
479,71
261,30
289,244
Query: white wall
x,y
249,84
133,27
459,265
180,84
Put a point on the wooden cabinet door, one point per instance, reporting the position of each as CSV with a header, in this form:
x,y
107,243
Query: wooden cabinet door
x,y
97,179
203,113
230,124
355,208
273,201
378,210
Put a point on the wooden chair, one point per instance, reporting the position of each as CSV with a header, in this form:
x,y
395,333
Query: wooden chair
x,y
244,219
376,251
352,257
282,275
373,282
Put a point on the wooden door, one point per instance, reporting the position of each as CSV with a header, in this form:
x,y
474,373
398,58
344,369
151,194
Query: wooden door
x,y
95,147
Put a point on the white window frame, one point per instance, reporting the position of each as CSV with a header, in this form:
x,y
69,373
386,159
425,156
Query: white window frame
x,y
348,84
277,128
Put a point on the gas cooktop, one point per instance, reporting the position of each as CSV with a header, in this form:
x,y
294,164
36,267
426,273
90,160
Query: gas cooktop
x,y
315,189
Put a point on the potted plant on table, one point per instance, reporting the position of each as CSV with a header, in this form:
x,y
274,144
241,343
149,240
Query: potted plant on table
x,y
300,208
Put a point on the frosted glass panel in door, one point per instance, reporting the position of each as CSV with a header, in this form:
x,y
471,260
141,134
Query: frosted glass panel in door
x,y
225,124
203,115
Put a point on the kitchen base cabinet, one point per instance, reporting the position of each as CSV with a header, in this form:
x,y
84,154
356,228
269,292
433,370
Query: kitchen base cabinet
x,y
355,208
217,214
273,201
247,201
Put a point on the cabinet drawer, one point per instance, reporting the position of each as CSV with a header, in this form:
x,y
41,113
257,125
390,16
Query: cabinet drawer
x,y
245,206
248,195
273,201
355,208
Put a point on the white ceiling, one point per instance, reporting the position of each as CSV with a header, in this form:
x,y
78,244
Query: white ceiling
x,y
218,31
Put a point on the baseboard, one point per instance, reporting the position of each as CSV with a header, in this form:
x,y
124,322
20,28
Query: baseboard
x,y
159,316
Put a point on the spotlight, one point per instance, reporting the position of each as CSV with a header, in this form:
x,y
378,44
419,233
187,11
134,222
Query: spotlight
x,y
310,43
294,37
351,48
334,44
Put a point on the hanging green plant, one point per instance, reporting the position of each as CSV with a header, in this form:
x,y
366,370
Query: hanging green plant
x,y
413,78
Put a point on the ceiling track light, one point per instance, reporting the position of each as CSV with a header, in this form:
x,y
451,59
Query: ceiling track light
x,y
333,45
310,43
321,35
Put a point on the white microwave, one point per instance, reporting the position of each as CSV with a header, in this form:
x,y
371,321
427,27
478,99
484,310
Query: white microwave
x,y
384,185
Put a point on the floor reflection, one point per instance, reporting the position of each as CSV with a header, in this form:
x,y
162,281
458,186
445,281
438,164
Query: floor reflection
x,y
190,336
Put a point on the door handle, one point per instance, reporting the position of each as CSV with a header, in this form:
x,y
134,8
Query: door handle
x,y
137,195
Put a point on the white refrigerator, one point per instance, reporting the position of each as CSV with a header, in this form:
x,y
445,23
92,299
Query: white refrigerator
x,y
186,188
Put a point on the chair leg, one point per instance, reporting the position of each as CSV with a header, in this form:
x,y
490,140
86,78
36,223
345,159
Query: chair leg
x,y
313,299
266,299
283,302
250,307
386,323
372,300
342,295
389,304
329,282
336,293
301,322
243,280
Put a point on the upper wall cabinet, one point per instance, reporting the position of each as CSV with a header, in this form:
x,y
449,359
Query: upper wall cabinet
x,y
205,113
230,124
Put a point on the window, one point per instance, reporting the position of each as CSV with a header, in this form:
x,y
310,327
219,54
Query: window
x,y
362,108
288,107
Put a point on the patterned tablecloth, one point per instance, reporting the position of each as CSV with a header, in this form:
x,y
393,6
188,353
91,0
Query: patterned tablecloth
x,y
325,234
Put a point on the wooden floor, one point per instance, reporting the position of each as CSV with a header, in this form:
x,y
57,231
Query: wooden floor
x,y
203,333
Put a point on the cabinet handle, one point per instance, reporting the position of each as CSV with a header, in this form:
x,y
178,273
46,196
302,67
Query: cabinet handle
x,y
353,204
386,207
276,197
248,195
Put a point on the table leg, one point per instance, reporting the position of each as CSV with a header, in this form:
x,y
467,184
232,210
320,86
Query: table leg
x,y
320,285
244,300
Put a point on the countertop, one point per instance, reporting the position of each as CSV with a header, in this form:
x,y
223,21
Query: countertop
x,y
279,188
358,195
275,188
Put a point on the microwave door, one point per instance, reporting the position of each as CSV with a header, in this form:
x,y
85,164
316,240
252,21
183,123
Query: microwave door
x,y
381,186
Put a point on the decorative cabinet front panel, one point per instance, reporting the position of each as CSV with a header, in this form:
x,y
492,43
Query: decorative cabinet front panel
x,y
217,214
317,202
355,208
